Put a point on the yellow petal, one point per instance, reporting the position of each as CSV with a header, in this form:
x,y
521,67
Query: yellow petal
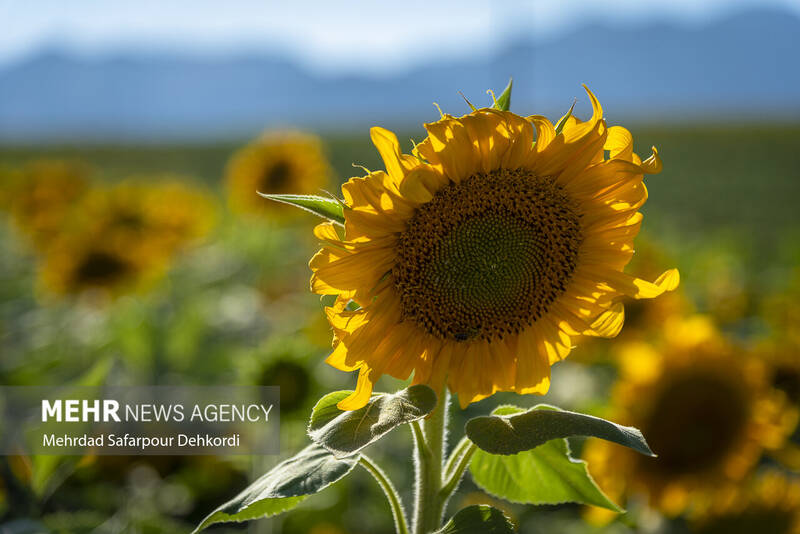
x,y
609,324
338,271
359,397
653,164
545,131
639,288
338,359
397,164
326,231
422,183
482,141
533,366
619,143
450,146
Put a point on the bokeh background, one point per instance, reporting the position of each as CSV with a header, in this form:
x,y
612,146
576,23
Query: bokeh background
x,y
133,249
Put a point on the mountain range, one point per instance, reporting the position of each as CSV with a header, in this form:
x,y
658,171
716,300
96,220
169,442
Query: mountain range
x,y
741,67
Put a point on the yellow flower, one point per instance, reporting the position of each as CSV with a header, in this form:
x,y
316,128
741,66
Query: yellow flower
x,y
479,260
40,195
782,359
120,239
769,503
277,163
706,409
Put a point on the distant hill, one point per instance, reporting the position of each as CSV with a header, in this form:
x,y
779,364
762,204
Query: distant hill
x,y
738,68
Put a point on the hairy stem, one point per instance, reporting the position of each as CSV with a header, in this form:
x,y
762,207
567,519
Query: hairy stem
x,y
400,524
429,437
458,450
456,466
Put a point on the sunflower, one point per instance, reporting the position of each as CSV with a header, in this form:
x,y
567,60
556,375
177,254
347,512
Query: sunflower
x,y
121,238
707,410
478,260
276,163
782,360
292,378
769,503
40,195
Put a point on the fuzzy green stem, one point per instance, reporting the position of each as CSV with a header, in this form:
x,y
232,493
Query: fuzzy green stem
x,y
456,466
429,438
458,450
400,524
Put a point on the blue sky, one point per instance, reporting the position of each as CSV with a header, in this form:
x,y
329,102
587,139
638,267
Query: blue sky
x,y
338,36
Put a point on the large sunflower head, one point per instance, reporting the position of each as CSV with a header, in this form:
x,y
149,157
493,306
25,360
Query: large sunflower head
x,y
40,195
275,163
480,258
767,503
120,238
706,408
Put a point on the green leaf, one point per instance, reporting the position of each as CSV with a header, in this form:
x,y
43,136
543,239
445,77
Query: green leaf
x,y
327,208
504,102
563,120
508,431
283,487
544,475
347,432
478,519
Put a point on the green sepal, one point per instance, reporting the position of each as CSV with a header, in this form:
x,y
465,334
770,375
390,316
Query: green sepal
x,y
347,432
327,208
473,108
504,102
283,487
563,120
478,519
507,431
544,475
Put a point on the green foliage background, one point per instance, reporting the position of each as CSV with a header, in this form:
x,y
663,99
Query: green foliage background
x,y
234,307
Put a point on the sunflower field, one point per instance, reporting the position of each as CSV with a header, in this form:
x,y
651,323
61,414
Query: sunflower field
x,y
553,346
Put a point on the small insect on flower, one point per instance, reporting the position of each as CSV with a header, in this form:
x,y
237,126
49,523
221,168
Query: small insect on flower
x,y
479,259
275,163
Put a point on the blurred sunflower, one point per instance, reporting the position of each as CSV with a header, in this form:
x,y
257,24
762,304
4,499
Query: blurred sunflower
x,y
783,370
294,382
277,163
177,213
769,504
40,195
707,411
478,260
122,238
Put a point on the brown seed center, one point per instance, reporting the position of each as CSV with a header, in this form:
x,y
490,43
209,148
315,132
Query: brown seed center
x,y
486,257
101,268
276,177
696,418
